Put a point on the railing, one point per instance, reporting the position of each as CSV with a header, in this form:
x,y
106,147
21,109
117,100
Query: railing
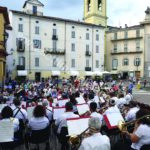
x,y
88,69
126,38
116,52
88,53
54,51
20,67
54,37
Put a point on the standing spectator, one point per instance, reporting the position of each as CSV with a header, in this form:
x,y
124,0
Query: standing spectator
x,y
145,83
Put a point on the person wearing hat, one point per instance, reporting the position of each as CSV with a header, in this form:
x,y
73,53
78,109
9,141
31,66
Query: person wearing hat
x,y
112,107
131,114
93,139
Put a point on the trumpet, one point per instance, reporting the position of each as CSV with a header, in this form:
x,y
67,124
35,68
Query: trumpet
x,y
123,126
76,139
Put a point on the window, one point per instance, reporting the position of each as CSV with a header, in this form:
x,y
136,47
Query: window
x,y
87,48
20,28
125,62
126,34
137,61
37,44
37,29
114,64
54,32
54,45
97,37
137,33
100,5
115,47
36,62
20,44
73,34
138,45
87,63
87,36
21,61
54,62
115,36
97,49
73,63
125,47
34,10
97,64
73,47
89,5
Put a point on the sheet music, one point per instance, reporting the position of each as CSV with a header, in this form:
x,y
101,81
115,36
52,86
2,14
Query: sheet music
x,y
30,112
57,112
96,98
6,131
63,102
77,126
80,100
82,109
2,106
114,118
102,100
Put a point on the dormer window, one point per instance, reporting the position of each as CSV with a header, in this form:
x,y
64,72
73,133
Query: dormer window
x,y
35,10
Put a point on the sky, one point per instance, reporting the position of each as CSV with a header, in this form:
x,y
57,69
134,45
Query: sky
x,y
119,12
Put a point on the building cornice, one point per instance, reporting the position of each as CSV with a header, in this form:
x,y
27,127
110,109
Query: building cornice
x,y
56,19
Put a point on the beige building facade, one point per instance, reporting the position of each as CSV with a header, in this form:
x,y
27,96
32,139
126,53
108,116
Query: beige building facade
x,y
125,50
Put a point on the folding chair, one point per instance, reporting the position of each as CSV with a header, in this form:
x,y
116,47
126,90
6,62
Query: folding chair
x,y
38,137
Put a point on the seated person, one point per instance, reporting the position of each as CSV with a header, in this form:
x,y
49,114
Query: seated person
x,y
61,121
7,115
94,139
141,133
39,121
131,114
93,107
18,112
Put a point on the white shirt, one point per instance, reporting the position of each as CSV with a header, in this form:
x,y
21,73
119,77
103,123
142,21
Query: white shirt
x,y
15,123
131,114
120,103
128,98
61,121
96,142
113,109
38,123
143,132
22,114
95,114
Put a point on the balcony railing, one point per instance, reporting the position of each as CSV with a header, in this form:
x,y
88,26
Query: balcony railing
x,y
54,37
20,67
54,51
88,69
20,49
88,53
117,52
126,38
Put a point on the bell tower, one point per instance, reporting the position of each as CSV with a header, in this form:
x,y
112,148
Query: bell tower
x,y
95,12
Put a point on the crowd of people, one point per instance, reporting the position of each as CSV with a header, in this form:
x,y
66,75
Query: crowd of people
x,y
102,98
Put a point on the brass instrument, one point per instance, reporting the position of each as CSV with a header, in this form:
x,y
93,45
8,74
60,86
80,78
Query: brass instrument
x,y
123,126
76,139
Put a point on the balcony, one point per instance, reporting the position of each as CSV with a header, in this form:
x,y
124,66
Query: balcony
x,y
20,67
126,38
54,37
88,69
119,52
54,51
20,49
88,53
